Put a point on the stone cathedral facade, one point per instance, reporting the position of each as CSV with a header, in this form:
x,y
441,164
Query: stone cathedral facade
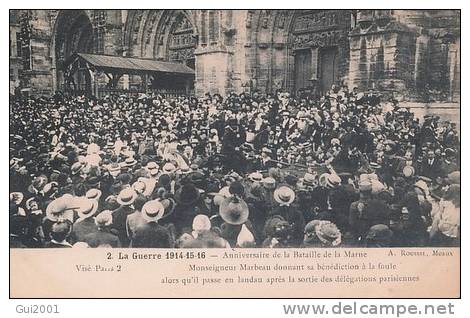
x,y
412,54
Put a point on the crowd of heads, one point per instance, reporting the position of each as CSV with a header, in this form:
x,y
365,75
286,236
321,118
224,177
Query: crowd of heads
x,y
248,170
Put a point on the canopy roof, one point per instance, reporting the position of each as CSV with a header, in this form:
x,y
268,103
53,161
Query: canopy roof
x,y
131,65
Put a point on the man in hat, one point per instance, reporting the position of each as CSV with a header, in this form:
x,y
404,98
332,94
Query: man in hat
x,y
366,212
103,236
126,200
85,224
151,234
284,197
136,219
340,198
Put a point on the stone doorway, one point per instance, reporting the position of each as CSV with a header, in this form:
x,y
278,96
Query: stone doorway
x,y
303,69
328,68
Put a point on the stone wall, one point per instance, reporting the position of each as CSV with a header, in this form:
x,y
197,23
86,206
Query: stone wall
x,y
411,54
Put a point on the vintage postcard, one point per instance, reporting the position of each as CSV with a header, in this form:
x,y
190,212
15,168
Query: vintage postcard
x,y
234,153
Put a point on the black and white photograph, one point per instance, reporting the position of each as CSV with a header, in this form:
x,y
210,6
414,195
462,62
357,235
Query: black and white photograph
x,y
234,128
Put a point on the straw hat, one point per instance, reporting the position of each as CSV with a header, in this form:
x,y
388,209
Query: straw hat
x,y
329,180
56,208
94,194
152,211
169,168
85,207
255,176
105,218
269,183
152,168
284,195
126,196
309,179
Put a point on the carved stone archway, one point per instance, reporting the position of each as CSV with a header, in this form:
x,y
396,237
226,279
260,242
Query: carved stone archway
x,y
72,33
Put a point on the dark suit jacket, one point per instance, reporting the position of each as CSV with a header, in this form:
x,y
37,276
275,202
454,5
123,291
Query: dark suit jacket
x,y
81,229
102,237
431,170
151,235
119,223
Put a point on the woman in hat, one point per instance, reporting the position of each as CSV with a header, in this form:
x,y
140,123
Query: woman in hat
x,y
319,233
234,212
284,197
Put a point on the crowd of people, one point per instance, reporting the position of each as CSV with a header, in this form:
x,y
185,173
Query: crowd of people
x,y
248,170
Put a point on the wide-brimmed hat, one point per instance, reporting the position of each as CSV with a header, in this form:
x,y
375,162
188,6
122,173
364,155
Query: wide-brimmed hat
x,y
127,196
94,194
284,195
76,168
105,218
139,186
309,179
328,233
152,168
329,180
85,207
234,210
114,169
188,194
152,211
255,176
129,162
55,209
168,168
269,183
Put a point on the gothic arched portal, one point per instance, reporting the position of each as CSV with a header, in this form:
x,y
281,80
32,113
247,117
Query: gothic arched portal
x,y
73,32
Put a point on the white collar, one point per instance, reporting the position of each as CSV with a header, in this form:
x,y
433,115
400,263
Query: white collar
x,y
61,243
